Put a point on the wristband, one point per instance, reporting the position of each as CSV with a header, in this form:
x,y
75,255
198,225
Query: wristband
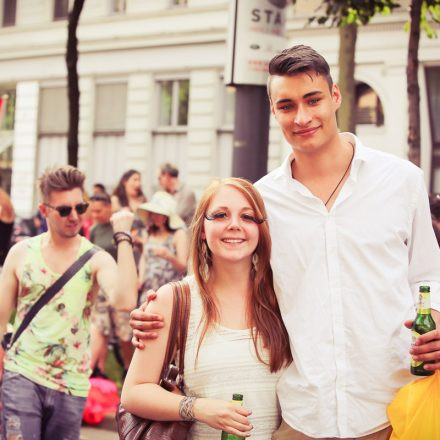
x,y
186,407
122,236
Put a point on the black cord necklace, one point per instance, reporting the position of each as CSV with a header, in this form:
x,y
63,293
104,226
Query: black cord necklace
x,y
342,178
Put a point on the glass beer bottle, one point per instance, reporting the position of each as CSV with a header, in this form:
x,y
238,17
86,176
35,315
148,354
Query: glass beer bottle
x,y
423,323
238,399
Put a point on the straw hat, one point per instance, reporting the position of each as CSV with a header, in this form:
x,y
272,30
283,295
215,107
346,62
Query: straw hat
x,y
162,203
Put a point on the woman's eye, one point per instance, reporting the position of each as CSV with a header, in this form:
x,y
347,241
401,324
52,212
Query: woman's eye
x,y
248,218
216,216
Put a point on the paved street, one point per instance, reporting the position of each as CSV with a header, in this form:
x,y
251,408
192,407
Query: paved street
x,y
105,431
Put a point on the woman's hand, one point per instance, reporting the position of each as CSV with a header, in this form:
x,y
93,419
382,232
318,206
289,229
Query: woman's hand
x,y
223,415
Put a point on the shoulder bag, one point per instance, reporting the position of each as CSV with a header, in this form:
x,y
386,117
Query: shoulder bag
x,y
131,427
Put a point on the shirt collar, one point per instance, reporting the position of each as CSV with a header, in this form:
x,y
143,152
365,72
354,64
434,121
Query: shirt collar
x,y
361,154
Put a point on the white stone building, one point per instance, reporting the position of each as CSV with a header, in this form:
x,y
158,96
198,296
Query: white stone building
x,y
152,90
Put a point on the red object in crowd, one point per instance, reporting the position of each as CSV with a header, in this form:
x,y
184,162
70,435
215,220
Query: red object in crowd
x,y
103,399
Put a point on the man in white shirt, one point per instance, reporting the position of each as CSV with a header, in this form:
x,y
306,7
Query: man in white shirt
x,y
351,242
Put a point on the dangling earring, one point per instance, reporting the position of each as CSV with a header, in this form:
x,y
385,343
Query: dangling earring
x,y
204,267
255,262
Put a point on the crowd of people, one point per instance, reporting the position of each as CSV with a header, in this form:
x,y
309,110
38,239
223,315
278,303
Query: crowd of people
x,y
302,286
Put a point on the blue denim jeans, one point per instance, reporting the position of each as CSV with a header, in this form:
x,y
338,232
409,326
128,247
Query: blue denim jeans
x,y
34,412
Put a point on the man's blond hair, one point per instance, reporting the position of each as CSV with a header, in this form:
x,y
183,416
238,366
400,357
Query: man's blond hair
x,y
62,178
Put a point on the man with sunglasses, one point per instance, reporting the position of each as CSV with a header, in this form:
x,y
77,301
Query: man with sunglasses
x,y
45,379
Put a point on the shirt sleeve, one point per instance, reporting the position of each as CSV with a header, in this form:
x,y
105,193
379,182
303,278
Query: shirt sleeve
x,y
424,252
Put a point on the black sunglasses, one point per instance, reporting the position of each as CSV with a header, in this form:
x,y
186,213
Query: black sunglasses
x,y
64,211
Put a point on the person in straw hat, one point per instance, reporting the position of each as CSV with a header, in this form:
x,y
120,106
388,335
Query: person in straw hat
x,y
165,253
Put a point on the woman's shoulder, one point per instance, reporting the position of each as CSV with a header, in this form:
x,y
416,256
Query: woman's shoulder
x,y
163,301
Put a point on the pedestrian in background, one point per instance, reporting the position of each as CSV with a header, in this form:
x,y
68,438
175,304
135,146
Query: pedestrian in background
x,y
128,192
185,197
7,217
165,250
107,322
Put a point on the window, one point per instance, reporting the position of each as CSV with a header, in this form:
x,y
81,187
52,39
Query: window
x,y
368,106
173,102
111,104
9,11
53,114
117,6
61,9
7,109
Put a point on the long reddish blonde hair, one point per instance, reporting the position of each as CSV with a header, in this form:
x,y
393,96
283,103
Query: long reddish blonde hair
x,y
263,311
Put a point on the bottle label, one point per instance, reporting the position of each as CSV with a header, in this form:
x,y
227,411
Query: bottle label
x,y
414,336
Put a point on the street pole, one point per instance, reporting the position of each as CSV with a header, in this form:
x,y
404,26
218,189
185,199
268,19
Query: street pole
x,y
251,132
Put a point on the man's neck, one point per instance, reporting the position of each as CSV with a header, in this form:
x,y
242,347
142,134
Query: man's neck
x,y
325,162
56,242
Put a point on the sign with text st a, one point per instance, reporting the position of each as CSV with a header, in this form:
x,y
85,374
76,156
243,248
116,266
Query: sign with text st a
x,y
256,32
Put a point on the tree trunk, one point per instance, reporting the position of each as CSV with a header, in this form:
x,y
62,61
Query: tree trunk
x,y
412,87
347,49
72,83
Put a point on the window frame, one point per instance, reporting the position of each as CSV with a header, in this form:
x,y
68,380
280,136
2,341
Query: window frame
x,y
12,10
174,118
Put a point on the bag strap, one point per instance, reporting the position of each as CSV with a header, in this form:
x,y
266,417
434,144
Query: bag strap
x,y
178,325
51,292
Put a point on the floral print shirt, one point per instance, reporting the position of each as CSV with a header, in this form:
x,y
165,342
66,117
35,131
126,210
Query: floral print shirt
x,y
54,350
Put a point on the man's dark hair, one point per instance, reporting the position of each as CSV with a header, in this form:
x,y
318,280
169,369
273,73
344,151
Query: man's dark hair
x,y
101,197
62,178
100,186
299,59
170,169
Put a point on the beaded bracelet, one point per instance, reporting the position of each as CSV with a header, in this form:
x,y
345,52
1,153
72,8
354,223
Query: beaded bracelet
x,y
186,407
120,236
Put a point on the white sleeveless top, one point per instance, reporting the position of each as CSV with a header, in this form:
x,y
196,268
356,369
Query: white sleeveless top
x,y
227,364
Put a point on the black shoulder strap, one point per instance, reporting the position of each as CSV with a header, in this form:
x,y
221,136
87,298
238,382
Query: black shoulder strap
x,y
51,292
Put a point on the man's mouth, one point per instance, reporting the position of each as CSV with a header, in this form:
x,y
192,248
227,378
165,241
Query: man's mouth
x,y
306,131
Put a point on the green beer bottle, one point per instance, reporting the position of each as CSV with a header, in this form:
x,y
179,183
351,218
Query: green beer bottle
x,y
422,324
238,399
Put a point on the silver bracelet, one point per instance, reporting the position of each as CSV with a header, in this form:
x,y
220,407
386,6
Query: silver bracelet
x,y
186,407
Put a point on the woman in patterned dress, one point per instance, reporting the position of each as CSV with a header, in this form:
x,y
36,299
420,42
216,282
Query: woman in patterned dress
x,y
165,251
236,340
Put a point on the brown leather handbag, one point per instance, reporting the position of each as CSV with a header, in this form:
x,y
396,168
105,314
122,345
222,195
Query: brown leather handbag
x,y
131,427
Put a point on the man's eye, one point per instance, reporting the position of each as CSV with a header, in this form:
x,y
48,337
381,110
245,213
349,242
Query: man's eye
x,y
314,101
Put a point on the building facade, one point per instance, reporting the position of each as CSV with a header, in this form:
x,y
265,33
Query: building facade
x,y
152,90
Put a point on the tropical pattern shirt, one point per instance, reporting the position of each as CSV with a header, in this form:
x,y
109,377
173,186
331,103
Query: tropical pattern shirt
x,y
54,350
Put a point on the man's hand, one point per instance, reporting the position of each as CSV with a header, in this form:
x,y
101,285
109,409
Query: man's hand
x,y
122,221
427,346
144,324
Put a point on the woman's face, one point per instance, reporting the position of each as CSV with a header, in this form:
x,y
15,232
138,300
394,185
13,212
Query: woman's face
x,y
158,220
230,230
133,184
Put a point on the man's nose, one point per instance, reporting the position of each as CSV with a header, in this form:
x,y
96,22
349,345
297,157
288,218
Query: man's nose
x,y
302,116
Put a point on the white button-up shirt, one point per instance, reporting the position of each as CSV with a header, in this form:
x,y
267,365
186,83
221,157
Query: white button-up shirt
x,y
346,280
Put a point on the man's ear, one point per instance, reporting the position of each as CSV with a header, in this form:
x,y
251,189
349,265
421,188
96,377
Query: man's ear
x,y
336,96
43,209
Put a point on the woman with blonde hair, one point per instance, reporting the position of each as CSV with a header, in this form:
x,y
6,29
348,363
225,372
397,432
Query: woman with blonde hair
x,y
236,340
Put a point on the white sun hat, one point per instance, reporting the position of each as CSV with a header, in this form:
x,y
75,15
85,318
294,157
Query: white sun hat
x,y
162,203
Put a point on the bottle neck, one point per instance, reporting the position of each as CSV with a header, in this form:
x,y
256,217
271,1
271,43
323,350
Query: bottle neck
x,y
424,306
